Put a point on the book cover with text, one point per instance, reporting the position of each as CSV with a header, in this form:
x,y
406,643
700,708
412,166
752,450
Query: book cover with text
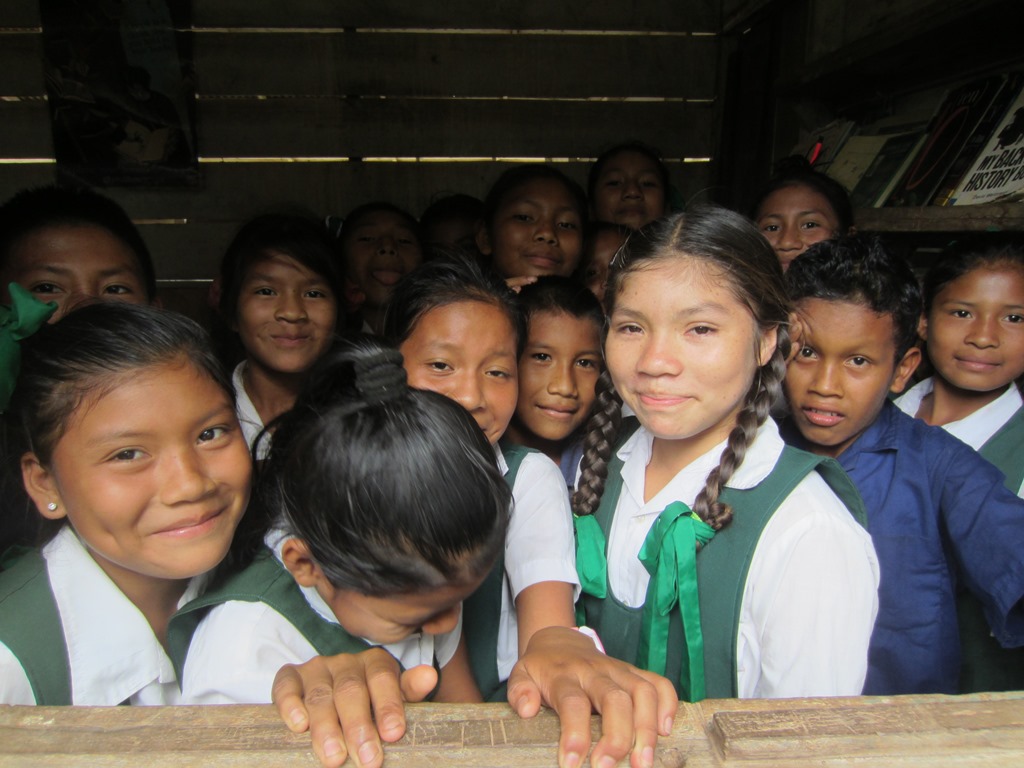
x,y
957,118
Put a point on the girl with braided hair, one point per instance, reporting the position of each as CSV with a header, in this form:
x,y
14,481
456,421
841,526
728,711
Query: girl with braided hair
x,y
707,551
356,536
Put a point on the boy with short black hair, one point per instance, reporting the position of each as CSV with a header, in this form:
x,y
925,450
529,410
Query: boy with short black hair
x,y
938,513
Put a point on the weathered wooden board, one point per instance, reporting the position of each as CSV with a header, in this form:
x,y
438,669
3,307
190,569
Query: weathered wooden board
x,y
528,65
688,16
445,128
338,63
692,15
905,731
433,128
318,80
996,217
21,64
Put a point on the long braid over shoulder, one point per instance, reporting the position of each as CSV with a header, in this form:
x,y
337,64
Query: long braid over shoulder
x,y
601,430
764,393
732,252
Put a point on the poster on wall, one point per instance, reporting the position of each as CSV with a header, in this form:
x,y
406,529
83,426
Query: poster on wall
x,y
120,90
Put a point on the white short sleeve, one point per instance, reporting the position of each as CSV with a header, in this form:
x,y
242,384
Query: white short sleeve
x,y
236,651
539,545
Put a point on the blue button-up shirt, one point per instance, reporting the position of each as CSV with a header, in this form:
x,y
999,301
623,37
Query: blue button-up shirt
x,y
938,514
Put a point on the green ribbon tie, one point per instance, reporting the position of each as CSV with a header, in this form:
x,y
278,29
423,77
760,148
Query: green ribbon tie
x,y
21,319
669,554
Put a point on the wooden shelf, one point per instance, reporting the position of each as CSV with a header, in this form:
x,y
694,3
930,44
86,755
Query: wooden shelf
x,y
998,217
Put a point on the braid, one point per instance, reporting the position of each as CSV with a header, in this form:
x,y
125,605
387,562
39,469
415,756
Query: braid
x,y
602,427
763,394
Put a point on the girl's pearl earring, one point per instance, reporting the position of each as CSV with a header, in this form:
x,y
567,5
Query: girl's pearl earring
x,y
52,506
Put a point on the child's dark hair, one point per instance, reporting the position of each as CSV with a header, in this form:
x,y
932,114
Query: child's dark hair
x,y
52,206
459,205
968,254
353,217
552,293
362,470
517,176
795,171
861,270
89,352
629,146
595,230
303,238
442,282
728,246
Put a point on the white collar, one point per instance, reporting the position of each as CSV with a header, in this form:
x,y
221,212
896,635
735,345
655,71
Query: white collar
x,y
416,645
761,457
112,650
248,417
500,457
976,428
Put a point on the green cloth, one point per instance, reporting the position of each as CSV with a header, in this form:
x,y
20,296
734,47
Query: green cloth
x,y
31,628
986,665
721,568
265,581
669,553
18,321
481,611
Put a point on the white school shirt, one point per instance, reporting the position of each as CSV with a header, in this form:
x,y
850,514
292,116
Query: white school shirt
x,y
112,652
238,647
975,429
811,594
248,417
539,545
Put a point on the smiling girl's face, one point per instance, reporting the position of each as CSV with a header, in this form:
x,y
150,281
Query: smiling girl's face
x,y
975,329
536,230
286,314
466,351
682,352
794,218
153,474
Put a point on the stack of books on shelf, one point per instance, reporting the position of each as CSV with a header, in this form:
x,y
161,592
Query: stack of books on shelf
x,y
967,148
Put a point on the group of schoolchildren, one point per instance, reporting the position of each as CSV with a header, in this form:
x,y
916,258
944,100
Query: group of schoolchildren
x,y
557,447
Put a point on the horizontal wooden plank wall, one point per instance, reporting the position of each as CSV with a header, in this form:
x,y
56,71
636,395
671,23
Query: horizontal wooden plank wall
x,y
325,105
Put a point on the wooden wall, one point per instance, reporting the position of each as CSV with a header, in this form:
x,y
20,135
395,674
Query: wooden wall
x,y
434,97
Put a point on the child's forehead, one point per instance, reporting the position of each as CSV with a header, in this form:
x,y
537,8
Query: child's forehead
x,y
631,160
846,321
72,245
380,219
555,323
540,189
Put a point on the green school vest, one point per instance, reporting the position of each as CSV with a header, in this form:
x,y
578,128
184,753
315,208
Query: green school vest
x,y
721,581
265,581
481,611
986,665
31,628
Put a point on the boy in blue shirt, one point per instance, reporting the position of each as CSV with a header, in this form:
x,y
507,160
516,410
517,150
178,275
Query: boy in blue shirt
x,y
938,513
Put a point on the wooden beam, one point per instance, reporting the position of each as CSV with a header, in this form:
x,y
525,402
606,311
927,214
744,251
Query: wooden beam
x,y
446,65
654,15
905,731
